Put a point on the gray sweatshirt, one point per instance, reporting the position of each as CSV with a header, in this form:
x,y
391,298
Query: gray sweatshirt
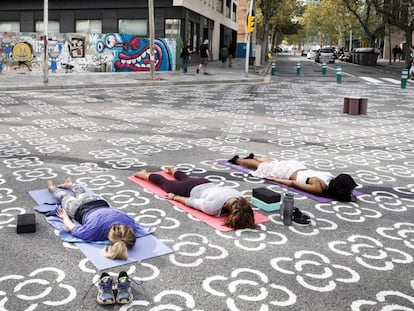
x,y
210,198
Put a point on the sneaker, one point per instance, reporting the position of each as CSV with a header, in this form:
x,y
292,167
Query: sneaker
x,y
206,73
302,221
298,214
233,159
198,70
124,294
105,293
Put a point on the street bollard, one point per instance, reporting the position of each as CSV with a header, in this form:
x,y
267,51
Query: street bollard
x,y
404,78
324,69
298,69
273,68
339,75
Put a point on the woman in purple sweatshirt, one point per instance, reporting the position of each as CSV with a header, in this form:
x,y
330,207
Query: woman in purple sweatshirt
x,y
97,220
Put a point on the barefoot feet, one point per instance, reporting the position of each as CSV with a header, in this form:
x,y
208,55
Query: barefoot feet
x,y
67,184
170,170
50,185
142,174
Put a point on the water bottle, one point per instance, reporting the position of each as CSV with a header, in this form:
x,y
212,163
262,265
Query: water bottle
x,y
288,208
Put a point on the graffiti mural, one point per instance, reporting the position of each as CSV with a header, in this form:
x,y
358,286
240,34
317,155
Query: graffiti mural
x,y
132,53
78,52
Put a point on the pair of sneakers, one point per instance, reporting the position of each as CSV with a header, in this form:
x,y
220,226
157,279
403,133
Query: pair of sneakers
x,y
300,218
110,293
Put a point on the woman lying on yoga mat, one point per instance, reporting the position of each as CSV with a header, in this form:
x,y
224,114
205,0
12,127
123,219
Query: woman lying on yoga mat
x,y
201,194
98,221
294,174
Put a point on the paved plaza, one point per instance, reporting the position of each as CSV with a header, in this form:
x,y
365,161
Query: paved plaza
x,y
353,256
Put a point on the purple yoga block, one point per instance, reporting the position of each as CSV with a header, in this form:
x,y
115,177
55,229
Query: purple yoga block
x,y
353,106
363,105
346,105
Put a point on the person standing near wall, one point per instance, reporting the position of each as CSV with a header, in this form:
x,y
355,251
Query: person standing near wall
x,y
232,52
204,57
185,55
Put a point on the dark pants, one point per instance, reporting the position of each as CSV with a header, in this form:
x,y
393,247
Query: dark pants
x,y
181,186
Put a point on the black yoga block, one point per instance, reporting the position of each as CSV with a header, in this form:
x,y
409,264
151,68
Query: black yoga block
x,y
26,223
266,195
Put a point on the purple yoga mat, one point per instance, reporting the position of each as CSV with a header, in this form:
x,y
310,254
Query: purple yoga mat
x,y
304,193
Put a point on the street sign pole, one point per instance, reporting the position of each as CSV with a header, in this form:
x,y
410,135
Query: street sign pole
x,y
246,68
152,35
45,24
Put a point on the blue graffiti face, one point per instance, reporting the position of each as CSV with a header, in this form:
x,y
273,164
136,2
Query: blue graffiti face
x,y
133,53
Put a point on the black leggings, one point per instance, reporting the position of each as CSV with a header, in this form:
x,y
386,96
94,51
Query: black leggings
x,y
181,186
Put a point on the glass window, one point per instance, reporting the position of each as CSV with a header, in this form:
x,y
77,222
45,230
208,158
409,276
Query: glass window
x,y
10,26
133,26
219,6
227,11
89,26
172,28
234,14
52,26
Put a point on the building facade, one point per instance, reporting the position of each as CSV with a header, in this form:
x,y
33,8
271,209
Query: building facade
x,y
192,20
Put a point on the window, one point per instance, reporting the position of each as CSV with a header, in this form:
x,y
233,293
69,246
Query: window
x,y
219,6
52,26
133,26
227,10
10,26
172,28
234,14
89,26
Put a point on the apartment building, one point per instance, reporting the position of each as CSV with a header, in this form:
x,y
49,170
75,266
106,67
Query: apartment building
x,y
192,20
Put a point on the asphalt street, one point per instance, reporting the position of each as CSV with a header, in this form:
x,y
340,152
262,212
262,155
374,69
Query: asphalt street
x,y
101,128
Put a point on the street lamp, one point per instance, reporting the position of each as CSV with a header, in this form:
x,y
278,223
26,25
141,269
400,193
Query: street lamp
x,y
152,35
45,24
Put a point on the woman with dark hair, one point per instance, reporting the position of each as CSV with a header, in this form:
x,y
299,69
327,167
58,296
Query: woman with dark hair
x,y
294,174
201,194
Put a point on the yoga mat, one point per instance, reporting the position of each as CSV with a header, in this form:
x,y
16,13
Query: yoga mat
x,y
215,222
304,193
146,246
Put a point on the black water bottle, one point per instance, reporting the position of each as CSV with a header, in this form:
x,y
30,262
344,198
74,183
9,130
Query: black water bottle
x,y
288,208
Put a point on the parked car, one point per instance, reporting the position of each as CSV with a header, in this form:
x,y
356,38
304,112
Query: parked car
x,y
325,55
312,54
305,52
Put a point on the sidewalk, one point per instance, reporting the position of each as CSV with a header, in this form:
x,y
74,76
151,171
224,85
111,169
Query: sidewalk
x,y
218,73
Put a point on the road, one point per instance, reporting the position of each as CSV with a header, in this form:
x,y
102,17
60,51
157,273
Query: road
x,y
354,256
382,74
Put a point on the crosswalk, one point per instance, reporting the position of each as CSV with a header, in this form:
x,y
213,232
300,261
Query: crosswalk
x,y
378,81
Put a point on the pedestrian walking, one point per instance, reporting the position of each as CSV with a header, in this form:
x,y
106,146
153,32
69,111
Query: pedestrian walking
x,y
185,55
232,54
224,53
204,57
395,52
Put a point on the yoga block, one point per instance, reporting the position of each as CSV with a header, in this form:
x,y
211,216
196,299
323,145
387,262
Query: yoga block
x,y
363,105
353,106
26,223
346,105
266,195
268,207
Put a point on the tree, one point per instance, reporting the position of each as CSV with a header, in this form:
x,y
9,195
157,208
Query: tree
x,y
365,12
399,13
273,17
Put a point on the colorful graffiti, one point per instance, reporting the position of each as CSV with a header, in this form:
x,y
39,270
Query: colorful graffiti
x,y
86,52
132,53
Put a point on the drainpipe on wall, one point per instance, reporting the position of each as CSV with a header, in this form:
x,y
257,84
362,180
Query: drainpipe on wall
x,y
45,22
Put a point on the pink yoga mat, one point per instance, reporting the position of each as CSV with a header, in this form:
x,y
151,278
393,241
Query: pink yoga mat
x,y
215,222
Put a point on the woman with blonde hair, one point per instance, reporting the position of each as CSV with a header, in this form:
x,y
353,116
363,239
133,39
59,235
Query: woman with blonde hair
x,y
203,195
97,220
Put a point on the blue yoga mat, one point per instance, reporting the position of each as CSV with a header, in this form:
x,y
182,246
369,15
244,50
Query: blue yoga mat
x,y
146,246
